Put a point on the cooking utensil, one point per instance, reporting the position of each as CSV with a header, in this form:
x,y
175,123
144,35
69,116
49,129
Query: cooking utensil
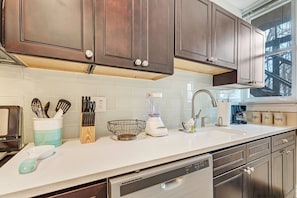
x,y
46,107
88,111
64,105
37,107
59,114
126,129
35,154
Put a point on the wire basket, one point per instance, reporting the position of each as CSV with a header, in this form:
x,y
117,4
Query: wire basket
x,y
126,129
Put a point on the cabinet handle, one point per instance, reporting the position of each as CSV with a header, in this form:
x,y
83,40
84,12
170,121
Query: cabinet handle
x,y
145,63
137,62
89,54
287,152
285,141
211,59
247,170
283,152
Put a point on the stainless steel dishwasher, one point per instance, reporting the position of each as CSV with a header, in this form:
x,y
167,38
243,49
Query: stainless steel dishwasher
x,y
190,178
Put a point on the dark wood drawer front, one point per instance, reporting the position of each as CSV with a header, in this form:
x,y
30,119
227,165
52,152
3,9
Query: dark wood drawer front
x,y
228,159
283,140
258,149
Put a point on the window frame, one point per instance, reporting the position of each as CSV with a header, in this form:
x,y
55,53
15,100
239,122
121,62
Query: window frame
x,y
246,93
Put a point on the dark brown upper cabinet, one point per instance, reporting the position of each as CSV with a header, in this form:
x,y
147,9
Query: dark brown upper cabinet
x,y
245,48
135,34
206,33
250,55
224,38
60,29
258,57
193,29
130,34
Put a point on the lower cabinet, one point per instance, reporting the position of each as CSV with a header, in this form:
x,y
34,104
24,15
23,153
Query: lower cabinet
x,y
283,172
250,180
266,168
90,190
258,175
230,184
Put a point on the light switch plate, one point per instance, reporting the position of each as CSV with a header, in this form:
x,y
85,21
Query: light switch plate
x,y
100,103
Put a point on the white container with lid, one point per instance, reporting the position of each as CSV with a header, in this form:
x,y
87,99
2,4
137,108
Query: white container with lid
x,y
280,119
267,118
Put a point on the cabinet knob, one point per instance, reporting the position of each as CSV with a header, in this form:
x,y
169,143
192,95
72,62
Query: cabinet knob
x,y
212,59
145,63
89,53
252,169
287,152
247,170
137,62
285,140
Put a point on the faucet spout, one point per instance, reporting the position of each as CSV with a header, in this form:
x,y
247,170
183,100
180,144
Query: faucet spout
x,y
213,100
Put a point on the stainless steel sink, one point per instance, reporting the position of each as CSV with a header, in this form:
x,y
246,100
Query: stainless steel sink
x,y
220,132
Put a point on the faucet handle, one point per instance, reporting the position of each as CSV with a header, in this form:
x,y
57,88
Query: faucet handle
x,y
220,121
203,121
198,114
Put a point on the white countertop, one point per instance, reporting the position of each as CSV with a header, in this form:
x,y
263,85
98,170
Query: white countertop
x,y
75,163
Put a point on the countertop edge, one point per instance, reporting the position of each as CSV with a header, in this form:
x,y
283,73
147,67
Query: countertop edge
x,y
132,168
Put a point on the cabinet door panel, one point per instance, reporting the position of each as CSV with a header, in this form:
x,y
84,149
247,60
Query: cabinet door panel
x,y
259,184
97,190
230,185
158,35
224,37
258,56
117,30
289,171
228,159
277,173
56,28
244,70
193,29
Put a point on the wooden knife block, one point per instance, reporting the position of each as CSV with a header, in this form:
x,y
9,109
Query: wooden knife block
x,y
87,133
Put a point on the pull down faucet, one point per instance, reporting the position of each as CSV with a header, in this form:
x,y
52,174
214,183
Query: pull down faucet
x,y
213,102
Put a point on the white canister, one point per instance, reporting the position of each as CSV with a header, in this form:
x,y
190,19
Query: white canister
x,y
256,117
47,131
267,118
280,119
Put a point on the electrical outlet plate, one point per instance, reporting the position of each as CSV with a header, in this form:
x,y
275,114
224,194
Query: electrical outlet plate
x,y
100,103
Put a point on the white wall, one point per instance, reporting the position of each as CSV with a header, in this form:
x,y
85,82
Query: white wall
x,y
125,97
228,7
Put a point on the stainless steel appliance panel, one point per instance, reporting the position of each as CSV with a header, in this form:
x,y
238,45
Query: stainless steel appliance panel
x,y
189,178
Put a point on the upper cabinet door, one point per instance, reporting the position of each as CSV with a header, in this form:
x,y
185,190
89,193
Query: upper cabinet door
x,y
158,35
193,29
55,28
224,37
117,37
245,66
135,34
258,56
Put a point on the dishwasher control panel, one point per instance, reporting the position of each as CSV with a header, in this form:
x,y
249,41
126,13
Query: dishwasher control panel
x,y
197,166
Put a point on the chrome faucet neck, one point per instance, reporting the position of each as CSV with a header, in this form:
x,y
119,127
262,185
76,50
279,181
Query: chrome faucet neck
x,y
213,100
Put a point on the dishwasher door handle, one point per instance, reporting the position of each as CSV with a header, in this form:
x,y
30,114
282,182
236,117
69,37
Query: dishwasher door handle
x,y
174,183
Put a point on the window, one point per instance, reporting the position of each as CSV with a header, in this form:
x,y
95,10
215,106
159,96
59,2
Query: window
x,y
277,24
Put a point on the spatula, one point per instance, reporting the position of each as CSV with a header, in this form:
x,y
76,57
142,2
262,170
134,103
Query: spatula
x,y
64,105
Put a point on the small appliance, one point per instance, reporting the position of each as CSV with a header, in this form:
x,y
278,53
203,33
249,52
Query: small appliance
x,y
154,123
238,114
10,132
